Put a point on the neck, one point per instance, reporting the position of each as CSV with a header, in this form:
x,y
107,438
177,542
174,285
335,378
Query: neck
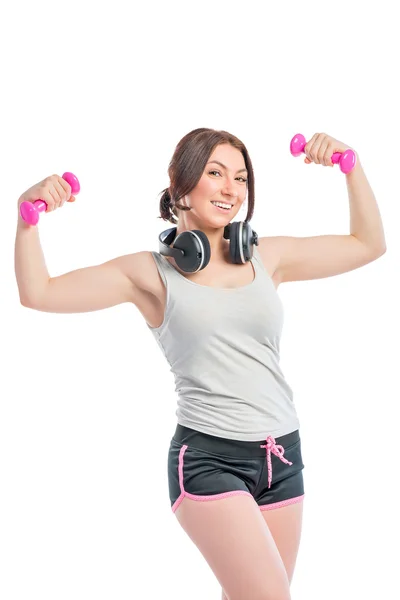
x,y
218,244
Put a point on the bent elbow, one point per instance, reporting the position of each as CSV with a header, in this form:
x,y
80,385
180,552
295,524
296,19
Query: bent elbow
x,y
26,303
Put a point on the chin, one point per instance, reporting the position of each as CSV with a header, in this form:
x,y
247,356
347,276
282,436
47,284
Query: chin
x,y
219,223
223,218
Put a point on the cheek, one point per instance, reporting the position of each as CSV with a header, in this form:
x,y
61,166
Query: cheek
x,y
207,187
243,196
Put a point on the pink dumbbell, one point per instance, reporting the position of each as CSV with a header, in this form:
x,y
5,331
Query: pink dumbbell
x,y
346,160
30,211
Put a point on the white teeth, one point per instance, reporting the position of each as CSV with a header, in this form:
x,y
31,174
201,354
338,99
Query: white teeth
x,y
220,204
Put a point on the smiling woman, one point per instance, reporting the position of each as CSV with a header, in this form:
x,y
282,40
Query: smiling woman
x,y
192,155
234,461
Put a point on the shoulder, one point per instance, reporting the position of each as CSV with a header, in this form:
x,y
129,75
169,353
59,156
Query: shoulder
x,y
142,270
269,250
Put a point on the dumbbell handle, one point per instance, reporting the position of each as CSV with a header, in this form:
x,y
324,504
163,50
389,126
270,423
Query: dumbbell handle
x,y
30,211
346,160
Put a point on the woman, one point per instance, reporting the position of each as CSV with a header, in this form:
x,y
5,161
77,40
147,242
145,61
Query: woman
x,y
210,299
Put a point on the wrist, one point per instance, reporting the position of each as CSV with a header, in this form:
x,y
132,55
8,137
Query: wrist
x,y
21,224
357,167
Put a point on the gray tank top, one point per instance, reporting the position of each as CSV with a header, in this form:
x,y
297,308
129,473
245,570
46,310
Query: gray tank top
x,y
222,345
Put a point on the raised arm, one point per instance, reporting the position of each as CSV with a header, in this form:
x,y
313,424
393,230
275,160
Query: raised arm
x,y
83,290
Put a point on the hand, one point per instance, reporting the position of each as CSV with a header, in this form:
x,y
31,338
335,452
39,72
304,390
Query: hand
x,y
53,190
320,149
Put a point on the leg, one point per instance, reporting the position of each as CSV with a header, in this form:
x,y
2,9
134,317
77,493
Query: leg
x,y
285,525
235,541
281,505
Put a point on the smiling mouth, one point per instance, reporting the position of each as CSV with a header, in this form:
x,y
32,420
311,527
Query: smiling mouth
x,y
221,208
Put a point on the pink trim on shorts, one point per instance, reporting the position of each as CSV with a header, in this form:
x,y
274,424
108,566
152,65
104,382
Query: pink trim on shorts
x,y
281,504
195,497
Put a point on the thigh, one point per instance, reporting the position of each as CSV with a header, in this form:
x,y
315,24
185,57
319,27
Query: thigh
x,y
285,525
281,504
238,546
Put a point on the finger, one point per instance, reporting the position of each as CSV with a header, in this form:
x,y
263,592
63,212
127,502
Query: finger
x,y
47,197
323,153
310,147
316,151
54,199
63,194
58,192
65,186
307,161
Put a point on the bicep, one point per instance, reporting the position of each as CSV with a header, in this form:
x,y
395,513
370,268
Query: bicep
x,y
90,288
317,257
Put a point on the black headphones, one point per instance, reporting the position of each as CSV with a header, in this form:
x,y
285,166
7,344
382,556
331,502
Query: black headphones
x,y
191,249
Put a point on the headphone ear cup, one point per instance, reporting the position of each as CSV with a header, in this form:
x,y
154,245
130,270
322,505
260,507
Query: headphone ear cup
x,y
233,242
240,242
206,248
196,248
249,238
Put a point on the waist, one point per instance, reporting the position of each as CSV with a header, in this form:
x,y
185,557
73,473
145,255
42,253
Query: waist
x,y
229,447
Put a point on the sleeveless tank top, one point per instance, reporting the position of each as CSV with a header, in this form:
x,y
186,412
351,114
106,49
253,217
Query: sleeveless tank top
x,y
222,346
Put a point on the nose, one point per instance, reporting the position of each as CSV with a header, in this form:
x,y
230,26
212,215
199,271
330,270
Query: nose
x,y
229,188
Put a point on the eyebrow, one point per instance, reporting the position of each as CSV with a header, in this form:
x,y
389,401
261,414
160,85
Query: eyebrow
x,y
220,163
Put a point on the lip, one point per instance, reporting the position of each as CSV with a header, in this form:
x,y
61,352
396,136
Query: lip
x,y
232,205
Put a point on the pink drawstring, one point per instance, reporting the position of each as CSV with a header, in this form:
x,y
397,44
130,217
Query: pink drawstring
x,y
279,451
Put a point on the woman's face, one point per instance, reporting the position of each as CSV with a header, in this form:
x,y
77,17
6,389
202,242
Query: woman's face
x,y
225,182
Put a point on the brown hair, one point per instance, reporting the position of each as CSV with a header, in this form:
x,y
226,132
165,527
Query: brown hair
x,y
187,166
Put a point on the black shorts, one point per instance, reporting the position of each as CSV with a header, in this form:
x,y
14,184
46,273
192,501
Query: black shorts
x,y
204,467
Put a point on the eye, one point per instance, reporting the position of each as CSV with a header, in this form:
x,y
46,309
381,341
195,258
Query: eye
x,y
242,178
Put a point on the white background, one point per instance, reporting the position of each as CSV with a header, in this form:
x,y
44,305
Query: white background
x,y
106,90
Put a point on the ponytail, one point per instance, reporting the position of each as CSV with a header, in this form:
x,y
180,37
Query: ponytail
x,y
167,210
